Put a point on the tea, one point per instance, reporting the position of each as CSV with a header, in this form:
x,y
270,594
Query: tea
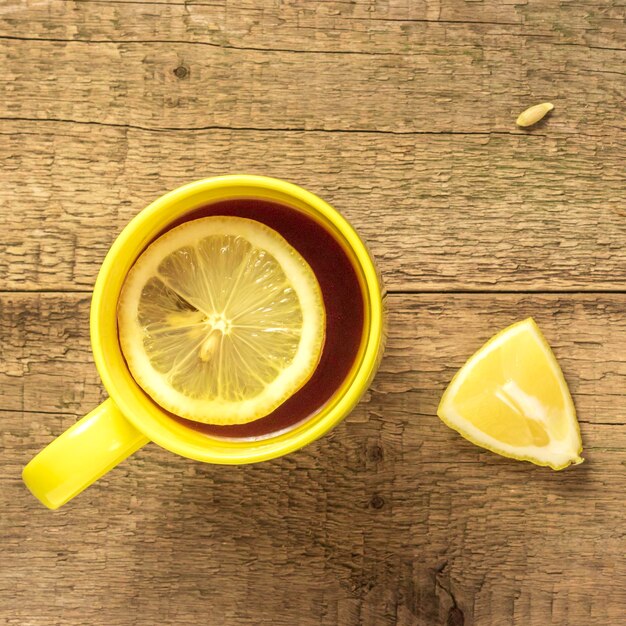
x,y
343,301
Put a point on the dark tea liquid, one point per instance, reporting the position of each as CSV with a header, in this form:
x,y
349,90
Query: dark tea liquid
x,y
343,300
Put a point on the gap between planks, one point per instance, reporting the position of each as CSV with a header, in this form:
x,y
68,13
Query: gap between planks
x,y
392,292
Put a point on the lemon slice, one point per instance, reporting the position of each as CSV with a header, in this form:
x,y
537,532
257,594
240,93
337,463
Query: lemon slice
x,y
221,320
511,398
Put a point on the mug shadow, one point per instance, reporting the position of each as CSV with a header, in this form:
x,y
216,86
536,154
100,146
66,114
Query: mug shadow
x,y
286,536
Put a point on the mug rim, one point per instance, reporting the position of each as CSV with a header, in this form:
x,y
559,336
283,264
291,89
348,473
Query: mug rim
x,y
145,415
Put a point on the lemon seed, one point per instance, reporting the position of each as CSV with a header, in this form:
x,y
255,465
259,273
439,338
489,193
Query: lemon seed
x,y
533,114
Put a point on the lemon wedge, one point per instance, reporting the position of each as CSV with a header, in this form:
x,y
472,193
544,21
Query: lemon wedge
x,y
511,398
221,320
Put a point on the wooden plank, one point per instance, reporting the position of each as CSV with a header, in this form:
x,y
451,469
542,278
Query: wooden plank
x,y
464,88
440,212
391,519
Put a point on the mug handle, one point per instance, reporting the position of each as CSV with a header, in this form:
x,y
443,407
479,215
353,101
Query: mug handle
x,y
82,454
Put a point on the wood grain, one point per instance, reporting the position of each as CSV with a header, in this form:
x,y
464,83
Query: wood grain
x,y
401,114
225,88
544,211
405,121
391,519
360,67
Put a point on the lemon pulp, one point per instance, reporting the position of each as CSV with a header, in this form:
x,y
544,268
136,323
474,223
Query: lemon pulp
x,y
221,320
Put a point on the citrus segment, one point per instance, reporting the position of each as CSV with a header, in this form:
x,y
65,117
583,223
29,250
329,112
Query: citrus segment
x,y
511,397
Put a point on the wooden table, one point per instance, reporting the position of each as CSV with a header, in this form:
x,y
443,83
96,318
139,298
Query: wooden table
x,y
401,114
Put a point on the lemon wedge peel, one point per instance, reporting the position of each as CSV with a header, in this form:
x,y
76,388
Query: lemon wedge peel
x,y
298,276
559,453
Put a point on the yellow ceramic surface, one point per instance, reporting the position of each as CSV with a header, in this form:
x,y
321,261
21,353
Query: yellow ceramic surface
x,y
129,419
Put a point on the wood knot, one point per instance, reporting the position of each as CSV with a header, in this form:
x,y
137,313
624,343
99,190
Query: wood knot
x,y
181,72
377,502
375,453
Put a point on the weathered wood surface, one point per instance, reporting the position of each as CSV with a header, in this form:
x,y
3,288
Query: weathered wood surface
x,y
405,122
545,212
391,519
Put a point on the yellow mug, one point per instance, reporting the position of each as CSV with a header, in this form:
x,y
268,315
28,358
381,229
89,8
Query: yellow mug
x,y
128,419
